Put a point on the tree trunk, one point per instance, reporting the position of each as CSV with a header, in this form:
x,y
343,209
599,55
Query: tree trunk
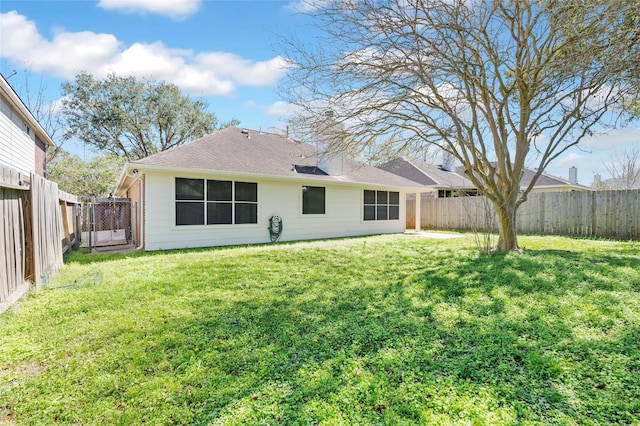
x,y
507,238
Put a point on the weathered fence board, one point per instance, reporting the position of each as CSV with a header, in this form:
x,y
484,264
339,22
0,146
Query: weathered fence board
x,y
12,265
32,230
48,236
614,214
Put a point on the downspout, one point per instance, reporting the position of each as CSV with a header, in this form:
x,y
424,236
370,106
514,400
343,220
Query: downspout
x,y
142,207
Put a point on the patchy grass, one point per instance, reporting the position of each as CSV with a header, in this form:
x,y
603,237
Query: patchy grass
x,y
390,330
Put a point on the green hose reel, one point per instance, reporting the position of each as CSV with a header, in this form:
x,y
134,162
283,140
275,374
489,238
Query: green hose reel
x,y
275,228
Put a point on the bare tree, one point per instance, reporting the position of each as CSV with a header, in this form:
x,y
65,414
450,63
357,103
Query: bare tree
x,y
497,84
624,170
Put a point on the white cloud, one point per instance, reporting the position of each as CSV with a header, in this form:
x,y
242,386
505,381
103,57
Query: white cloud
x,y
571,159
596,151
306,6
614,139
176,9
56,106
67,53
587,164
244,71
64,55
282,109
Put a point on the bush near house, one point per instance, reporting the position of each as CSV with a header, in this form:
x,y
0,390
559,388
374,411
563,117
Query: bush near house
x,y
376,330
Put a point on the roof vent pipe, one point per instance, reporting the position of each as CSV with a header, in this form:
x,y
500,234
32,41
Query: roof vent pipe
x,y
573,175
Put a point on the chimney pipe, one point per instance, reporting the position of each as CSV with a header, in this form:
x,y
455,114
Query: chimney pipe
x,y
447,161
573,175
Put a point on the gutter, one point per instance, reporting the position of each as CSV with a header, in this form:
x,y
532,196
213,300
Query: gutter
x,y
297,178
142,205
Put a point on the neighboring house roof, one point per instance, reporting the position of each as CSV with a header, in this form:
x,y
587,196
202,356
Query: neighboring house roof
x,y
547,180
12,98
434,176
619,183
427,174
248,152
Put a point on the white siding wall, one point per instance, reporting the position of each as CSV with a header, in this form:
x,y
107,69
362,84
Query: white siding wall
x,y
343,217
17,148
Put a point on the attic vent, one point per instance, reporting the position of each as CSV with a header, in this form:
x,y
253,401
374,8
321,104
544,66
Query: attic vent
x,y
246,132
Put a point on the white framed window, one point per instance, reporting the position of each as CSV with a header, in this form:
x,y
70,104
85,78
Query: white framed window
x,y
313,200
381,205
215,202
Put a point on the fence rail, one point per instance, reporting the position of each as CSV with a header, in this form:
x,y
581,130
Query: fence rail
x,y
614,214
39,225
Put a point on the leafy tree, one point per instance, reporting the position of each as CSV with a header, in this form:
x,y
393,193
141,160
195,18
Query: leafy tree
x,y
499,85
86,179
133,118
633,107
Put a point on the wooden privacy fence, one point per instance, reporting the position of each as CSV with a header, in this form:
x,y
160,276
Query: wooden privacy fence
x,y
39,224
613,214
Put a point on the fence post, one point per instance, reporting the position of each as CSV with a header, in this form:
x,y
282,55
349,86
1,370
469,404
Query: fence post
x,y
77,211
89,223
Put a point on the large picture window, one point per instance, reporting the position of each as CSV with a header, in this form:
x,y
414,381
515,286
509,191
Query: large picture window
x,y
313,200
215,202
381,205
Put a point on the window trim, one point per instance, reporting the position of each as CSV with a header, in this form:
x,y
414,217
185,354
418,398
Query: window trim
x,y
302,203
205,202
376,205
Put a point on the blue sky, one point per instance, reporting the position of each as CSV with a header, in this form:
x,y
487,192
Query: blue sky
x,y
224,51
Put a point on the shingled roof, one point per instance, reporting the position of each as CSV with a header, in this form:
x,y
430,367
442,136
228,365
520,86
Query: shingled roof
x,y
248,152
434,176
427,174
545,179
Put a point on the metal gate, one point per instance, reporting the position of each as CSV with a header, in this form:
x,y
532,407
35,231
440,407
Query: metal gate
x,y
108,223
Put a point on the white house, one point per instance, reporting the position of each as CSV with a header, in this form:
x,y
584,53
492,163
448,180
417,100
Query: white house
x,y
23,141
223,189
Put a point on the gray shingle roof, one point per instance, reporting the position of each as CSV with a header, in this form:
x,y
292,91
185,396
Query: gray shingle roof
x,y
544,179
426,173
239,151
429,174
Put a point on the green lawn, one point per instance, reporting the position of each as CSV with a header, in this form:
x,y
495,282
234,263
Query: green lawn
x,y
392,330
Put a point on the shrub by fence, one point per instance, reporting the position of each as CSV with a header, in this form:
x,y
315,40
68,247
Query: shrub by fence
x,y
614,214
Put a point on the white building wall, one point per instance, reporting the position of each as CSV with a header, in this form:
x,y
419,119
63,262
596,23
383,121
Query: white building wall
x,y
17,148
343,215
